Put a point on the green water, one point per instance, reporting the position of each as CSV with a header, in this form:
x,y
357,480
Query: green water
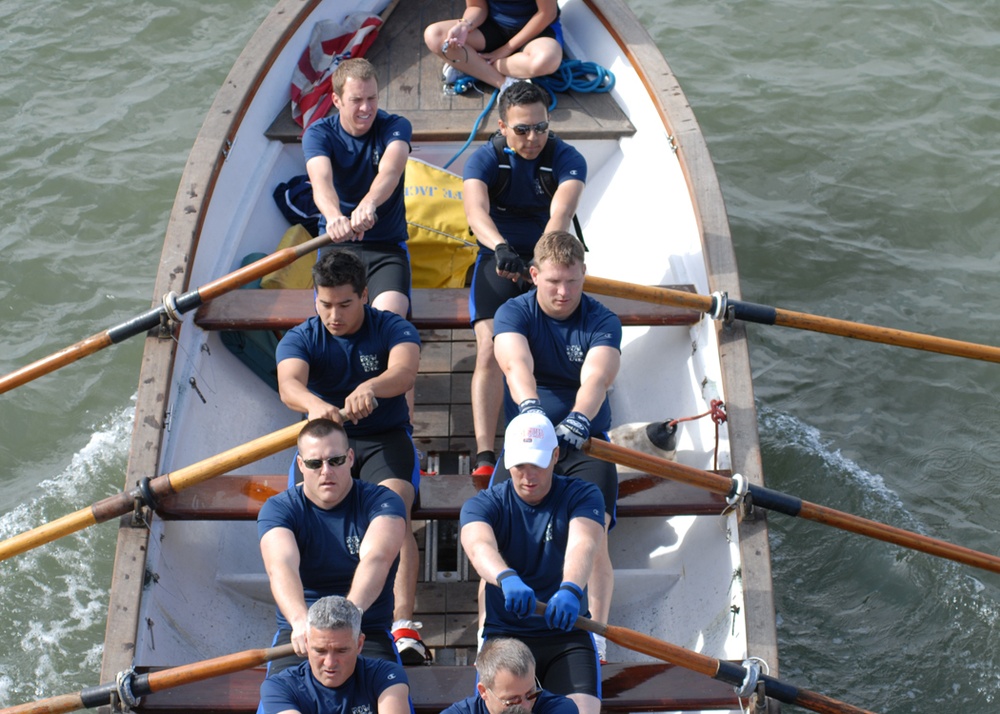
x,y
856,147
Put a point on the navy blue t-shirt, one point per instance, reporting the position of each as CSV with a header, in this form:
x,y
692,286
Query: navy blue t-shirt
x,y
329,542
296,688
558,348
337,365
522,213
512,13
532,541
547,703
355,165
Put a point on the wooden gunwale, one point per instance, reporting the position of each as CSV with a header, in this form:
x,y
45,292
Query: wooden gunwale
x,y
706,196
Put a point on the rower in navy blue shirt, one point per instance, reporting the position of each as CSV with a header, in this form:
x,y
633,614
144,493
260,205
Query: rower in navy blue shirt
x,y
560,351
532,538
335,679
506,671
507,223
357,356
356,160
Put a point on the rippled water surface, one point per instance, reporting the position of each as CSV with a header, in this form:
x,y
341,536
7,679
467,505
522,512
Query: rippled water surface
x,y
856,147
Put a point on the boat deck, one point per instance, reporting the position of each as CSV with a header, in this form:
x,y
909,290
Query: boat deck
x,y
410,84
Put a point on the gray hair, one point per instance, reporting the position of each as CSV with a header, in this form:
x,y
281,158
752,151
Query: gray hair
x,y
335,613
503,654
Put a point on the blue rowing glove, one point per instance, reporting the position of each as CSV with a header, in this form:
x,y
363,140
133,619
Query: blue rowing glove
x,y
529,406
518,597
507,259
573,431
564,607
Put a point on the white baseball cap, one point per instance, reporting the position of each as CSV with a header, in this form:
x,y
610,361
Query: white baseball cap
x,y
529,439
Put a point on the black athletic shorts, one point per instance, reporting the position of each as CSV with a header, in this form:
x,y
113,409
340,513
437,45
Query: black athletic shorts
x,y
489,291
378,645
602,474
387,266
377,458
565,662
497,34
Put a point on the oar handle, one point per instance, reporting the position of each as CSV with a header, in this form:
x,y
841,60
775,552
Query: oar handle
x,y
647,293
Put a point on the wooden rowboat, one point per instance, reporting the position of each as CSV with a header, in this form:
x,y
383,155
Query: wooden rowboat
x,y
188,580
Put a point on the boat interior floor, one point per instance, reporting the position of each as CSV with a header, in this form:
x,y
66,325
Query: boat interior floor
x,y
410,84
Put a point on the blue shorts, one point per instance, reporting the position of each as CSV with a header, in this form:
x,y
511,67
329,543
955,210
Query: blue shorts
x,y
496,34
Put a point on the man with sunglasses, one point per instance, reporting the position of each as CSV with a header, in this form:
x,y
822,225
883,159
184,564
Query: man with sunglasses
x,y
535,537
348,357
331,535
507,680
507,226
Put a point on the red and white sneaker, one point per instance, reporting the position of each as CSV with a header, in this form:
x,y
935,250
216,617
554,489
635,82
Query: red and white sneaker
x,y
411,648
483,470
601,643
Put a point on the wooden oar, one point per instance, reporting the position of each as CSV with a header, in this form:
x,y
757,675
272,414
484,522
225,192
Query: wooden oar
x,y
791,505
721,670
176,304
157,488
143,684
721,307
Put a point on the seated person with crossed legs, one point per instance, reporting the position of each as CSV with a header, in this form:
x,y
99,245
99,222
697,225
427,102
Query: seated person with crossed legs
x,y
497,41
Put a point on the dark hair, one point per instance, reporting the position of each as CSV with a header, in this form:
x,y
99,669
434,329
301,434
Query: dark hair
x,y
338,267
520,94
318,428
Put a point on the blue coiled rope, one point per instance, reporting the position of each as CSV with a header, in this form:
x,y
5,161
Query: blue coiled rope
x,y
576,76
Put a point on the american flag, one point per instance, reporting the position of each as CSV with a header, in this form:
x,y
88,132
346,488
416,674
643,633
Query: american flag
x,y
331,42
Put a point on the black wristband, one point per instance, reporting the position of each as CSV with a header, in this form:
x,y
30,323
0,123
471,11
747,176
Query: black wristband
x,y
573,588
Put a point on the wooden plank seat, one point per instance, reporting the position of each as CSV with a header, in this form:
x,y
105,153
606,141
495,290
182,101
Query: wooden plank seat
x,y
433,309
233,497
410,84
626,688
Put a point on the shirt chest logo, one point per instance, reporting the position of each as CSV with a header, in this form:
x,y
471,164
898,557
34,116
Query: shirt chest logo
x,y
574,353
369,363
363,709
353,544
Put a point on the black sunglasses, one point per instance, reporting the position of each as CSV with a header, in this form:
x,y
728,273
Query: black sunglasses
x,y
539,128
316,464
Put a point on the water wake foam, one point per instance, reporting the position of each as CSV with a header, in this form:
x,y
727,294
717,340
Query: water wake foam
x,y
55,597
845,604
784,433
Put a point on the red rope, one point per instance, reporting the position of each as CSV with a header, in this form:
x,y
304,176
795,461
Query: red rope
x,y
717,410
